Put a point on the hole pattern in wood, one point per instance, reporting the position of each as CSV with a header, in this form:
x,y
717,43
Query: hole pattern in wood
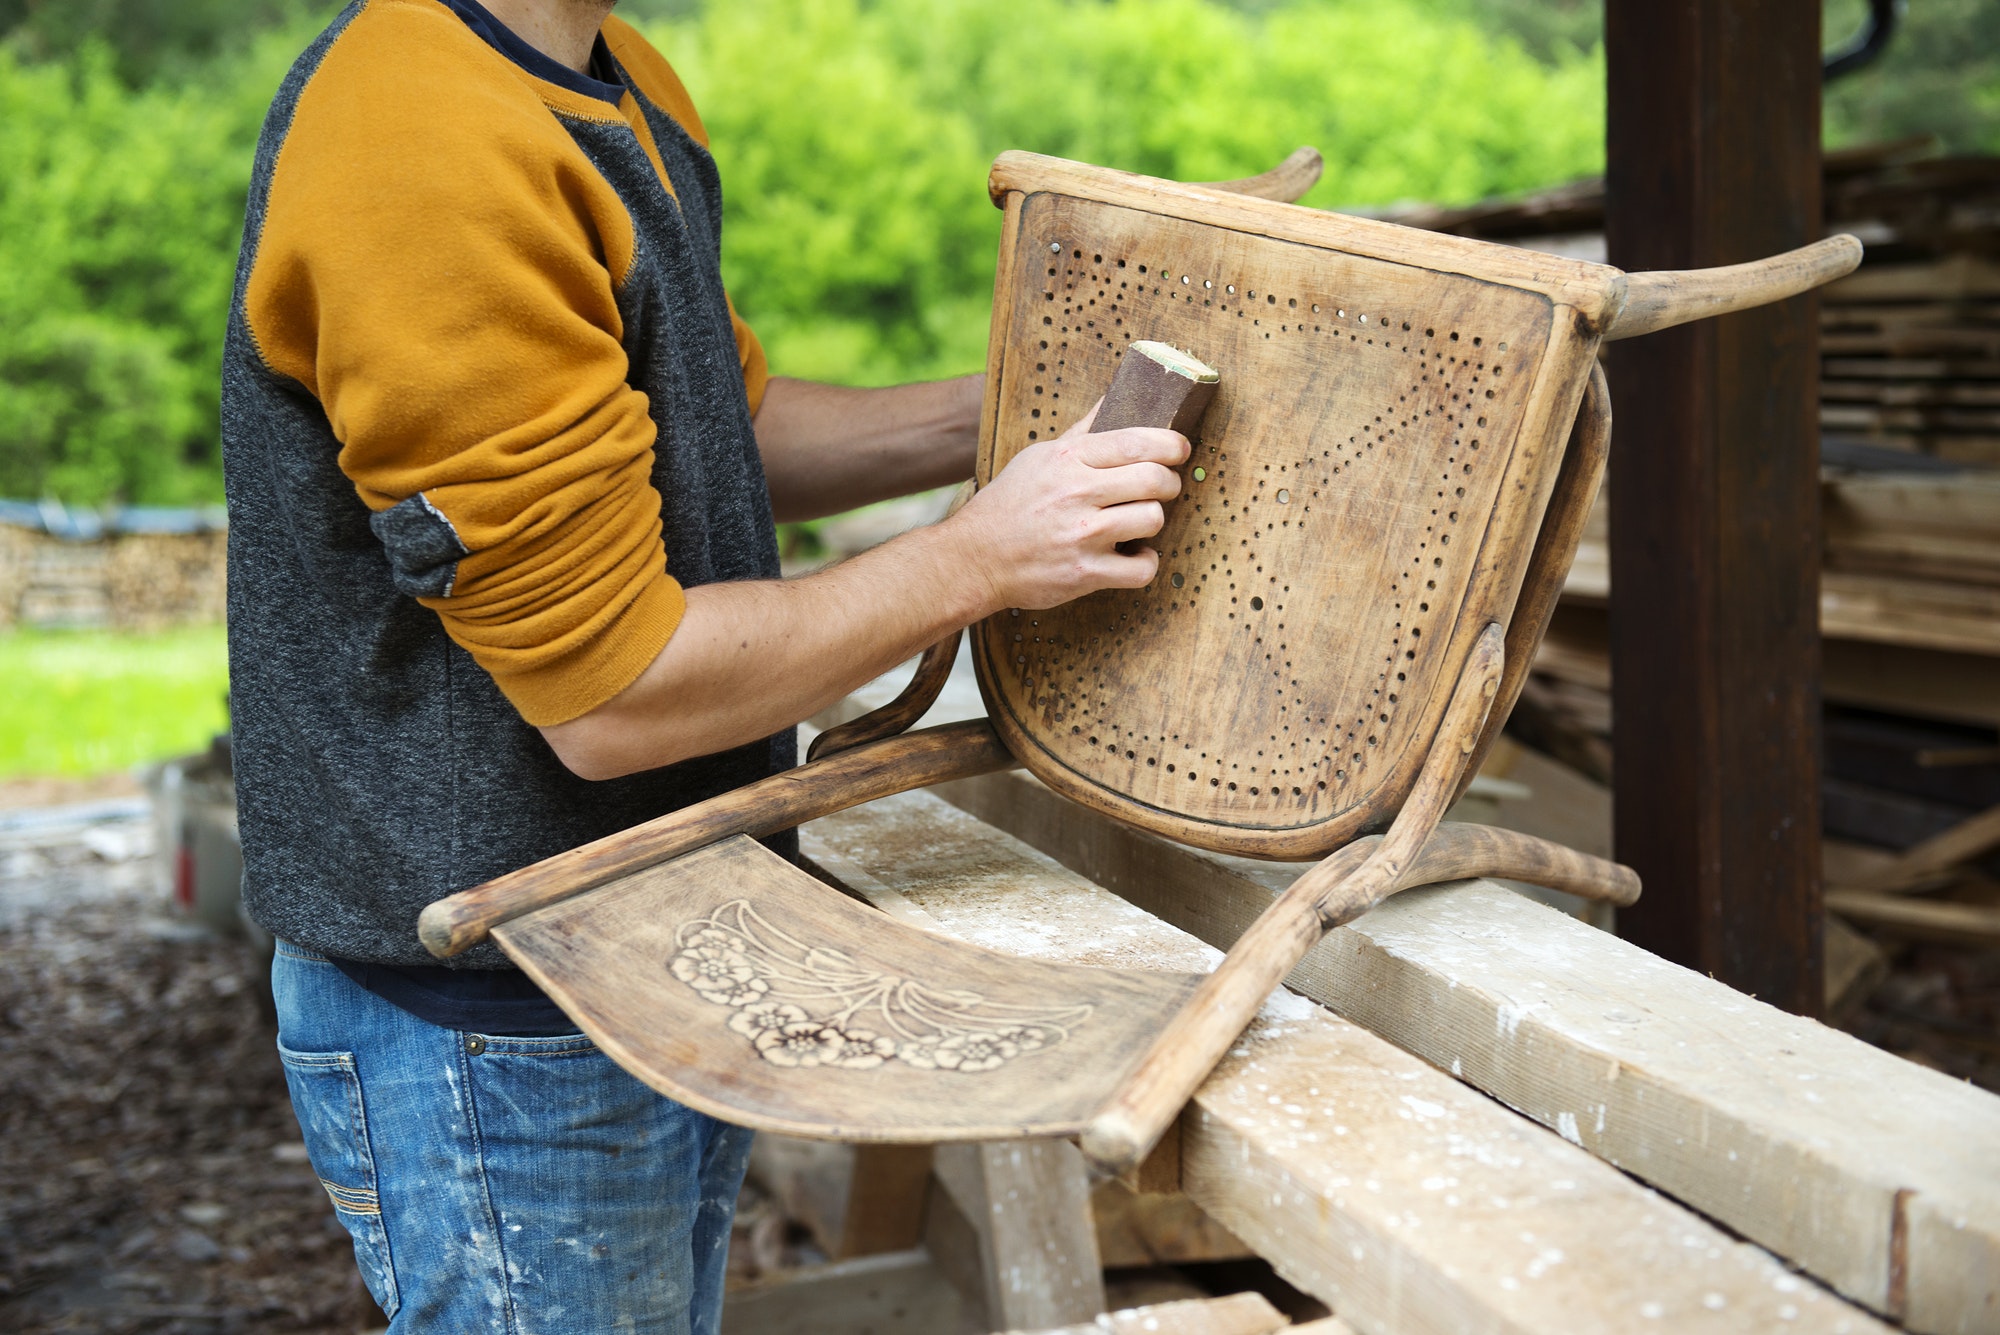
x,y
1330,521
802,1005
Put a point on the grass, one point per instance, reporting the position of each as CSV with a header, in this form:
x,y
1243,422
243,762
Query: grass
x,y
87,702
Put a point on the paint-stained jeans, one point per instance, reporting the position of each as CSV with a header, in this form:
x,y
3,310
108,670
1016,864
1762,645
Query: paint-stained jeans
x,y
526,1186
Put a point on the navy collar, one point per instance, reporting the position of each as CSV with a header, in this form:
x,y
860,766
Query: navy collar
x,y
503,39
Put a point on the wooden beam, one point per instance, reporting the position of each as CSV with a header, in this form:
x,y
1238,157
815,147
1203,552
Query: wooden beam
x,y
1713,158
1399,1197
900,1293
1872,1173
1029,1203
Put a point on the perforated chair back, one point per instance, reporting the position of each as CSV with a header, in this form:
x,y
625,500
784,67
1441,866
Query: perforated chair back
x,y
1362,501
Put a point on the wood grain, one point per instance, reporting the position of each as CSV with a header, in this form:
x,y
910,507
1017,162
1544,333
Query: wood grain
x,y
933,670
1369,482
1713,158
1577,486
734,982
1187,1048
1803,1139
1029,1203
917,760
1375,1181
1664,298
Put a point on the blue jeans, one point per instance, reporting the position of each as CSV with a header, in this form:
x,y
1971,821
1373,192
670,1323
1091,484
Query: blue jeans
x,y
519,1185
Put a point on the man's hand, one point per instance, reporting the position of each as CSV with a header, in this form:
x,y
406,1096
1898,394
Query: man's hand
x,y
750,658
1048,528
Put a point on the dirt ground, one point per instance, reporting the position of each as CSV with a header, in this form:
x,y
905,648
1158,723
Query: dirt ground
x,y
152,1178
151,1174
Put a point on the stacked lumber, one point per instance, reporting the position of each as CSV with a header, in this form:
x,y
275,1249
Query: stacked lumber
x,y
1911,357
1910,409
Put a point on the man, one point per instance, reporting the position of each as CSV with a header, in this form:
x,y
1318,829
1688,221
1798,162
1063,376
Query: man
x,y
502,470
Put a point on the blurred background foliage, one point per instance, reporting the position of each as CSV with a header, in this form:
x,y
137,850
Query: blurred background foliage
x,y
854,137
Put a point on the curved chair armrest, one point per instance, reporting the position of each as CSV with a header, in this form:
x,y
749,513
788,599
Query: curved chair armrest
x,y
1655,301
1287,182
933,669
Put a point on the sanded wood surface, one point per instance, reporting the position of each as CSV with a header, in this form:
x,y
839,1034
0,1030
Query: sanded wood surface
x,y
1802,1138
1396,1195
1186,1049
933,670
734,982
1368,482
1237,1314
1570,510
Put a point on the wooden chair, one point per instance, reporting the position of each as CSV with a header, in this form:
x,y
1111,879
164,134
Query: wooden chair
x,y
1382,503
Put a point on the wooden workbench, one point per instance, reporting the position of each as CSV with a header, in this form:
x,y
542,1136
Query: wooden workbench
x,y
1471,1113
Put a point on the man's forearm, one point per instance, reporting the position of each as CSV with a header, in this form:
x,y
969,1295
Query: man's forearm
x,y
750,658
827,449
1063,519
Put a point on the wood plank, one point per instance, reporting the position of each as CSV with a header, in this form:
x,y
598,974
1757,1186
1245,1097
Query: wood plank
x,y
1920,865
1029,1202
1801,1138
1921,919
1899,678
901,1293
1237,1314
1885,609
1399,1197
1950,279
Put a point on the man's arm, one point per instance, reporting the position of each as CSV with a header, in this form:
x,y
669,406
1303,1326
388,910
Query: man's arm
x,y
753,657
828,449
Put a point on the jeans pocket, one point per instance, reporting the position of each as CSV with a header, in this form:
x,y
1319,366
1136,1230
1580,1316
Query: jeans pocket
x,y
326,1096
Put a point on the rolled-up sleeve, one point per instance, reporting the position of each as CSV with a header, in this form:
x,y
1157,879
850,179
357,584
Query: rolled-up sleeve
x,y
445,284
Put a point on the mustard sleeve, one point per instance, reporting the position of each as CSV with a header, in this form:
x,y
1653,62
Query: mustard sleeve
x,y
438,267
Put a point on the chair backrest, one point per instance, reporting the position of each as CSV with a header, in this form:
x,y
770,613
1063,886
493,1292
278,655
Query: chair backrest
x,y
1362,501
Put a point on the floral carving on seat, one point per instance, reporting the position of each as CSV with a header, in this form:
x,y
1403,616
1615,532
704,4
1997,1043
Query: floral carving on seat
x,y
805,1006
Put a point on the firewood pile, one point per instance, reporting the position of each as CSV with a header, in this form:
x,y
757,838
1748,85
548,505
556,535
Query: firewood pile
x,y
127,581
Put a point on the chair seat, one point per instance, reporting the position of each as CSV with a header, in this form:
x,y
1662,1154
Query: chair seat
x,y
736,983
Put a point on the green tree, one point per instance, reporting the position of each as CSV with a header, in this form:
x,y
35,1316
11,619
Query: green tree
x,y
854,137
119,214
